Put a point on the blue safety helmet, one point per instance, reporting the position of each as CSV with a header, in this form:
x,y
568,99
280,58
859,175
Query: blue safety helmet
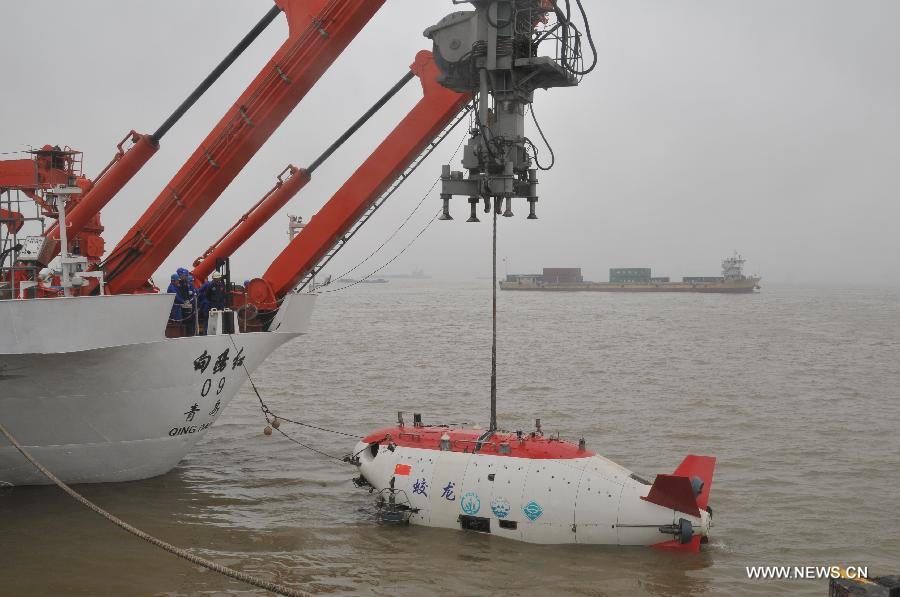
x,y
181,271
174,276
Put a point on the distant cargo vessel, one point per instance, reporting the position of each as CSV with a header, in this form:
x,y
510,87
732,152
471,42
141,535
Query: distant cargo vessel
x,y
636,279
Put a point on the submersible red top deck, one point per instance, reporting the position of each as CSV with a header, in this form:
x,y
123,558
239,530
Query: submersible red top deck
x,y
528,445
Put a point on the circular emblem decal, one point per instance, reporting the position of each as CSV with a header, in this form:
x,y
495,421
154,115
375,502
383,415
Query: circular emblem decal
x,y
470,503
500,507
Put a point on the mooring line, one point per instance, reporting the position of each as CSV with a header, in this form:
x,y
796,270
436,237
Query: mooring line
x,y
266,413
181,553
301,423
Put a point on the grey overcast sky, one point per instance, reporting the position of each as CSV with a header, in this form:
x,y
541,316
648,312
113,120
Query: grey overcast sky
x,y
765,126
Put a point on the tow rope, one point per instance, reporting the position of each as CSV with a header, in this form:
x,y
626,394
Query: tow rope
x,y
181,553
274,421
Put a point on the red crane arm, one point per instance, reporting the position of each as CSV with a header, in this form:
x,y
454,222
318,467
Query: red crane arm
x,y
124,165
409,138
319,31
251,221
280,194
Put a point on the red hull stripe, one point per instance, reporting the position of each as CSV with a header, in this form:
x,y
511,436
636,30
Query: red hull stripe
x,y
466,440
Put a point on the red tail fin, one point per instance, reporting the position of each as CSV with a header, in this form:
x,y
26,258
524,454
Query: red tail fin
x,y
701,467
675,492
692,546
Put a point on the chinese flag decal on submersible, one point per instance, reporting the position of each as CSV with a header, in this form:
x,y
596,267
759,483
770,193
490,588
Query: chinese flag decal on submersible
x,y
403,470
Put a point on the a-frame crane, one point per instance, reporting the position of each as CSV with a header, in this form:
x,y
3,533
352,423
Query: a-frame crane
x,y
319,31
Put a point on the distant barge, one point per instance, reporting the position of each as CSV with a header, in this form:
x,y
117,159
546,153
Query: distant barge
x,y
636,279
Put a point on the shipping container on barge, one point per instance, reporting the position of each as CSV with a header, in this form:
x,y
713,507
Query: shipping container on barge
x,y
636,279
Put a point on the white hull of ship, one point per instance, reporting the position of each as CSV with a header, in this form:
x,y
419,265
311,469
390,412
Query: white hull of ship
x,y
107,413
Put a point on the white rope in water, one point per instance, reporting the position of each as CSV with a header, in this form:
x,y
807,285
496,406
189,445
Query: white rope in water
x,y
181,553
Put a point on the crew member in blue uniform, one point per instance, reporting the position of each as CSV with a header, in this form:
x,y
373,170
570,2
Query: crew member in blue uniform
x,y
213,295
187,295
175,315
202,308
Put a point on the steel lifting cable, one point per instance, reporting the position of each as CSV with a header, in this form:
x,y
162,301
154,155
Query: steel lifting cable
x,y
493,424
376,205
181,553
401,226
407,219
391,260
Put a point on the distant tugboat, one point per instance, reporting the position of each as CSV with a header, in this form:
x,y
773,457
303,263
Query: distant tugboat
x,y
636,279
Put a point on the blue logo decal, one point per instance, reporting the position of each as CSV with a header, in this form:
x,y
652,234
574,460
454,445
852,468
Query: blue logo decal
x,y
470,503
533,511
500,507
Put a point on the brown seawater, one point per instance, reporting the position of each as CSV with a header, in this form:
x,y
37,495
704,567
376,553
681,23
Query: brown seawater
x,y
795,390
